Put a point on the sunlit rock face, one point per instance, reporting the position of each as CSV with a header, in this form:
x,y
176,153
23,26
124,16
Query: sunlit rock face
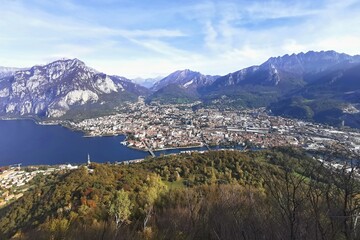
x,y
53,89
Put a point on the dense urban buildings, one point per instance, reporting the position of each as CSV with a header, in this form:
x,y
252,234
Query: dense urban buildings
x,y
158,127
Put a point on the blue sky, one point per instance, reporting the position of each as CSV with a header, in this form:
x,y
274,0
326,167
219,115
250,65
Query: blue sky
x,y
151,38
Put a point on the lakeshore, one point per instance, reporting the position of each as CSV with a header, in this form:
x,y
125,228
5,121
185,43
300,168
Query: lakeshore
x,y
30,143
153,130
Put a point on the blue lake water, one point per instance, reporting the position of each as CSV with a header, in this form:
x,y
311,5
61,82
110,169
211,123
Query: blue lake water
x,y
24,141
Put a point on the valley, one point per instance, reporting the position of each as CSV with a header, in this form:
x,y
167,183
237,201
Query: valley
x,y
180,120
308,100
289,86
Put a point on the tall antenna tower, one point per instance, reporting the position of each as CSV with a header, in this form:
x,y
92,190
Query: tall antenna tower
x,y
88,160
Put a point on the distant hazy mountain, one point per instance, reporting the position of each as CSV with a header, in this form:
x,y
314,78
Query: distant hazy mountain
x,y
185,78
8,71
180,87
61,87
146,82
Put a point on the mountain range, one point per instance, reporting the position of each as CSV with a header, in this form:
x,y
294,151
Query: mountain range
x,y
317,86
58,88
8,71
180,87
147,82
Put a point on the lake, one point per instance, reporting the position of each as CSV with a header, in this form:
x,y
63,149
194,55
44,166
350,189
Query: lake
x,y
24,141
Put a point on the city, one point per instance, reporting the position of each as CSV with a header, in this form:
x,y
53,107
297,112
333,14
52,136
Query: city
x,y
159,127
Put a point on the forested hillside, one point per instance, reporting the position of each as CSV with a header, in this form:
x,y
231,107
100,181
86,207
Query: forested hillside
x,y
270,194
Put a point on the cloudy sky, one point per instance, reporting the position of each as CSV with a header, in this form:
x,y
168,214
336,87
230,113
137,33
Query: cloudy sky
x,y
151,38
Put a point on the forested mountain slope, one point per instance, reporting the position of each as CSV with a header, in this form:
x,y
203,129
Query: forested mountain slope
x,y
270,194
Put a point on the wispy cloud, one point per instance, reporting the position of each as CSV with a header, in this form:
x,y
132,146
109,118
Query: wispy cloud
x,y
136,38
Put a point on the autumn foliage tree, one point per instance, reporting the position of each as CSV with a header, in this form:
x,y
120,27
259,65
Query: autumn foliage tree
x,y
120,208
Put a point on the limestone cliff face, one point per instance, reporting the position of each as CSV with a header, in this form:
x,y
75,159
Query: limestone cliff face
x,y
53,89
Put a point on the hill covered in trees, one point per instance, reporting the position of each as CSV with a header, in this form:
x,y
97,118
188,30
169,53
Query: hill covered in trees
x,y
270,194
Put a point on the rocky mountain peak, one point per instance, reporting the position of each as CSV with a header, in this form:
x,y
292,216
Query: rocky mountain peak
x,y
52,90
185,78
287,71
